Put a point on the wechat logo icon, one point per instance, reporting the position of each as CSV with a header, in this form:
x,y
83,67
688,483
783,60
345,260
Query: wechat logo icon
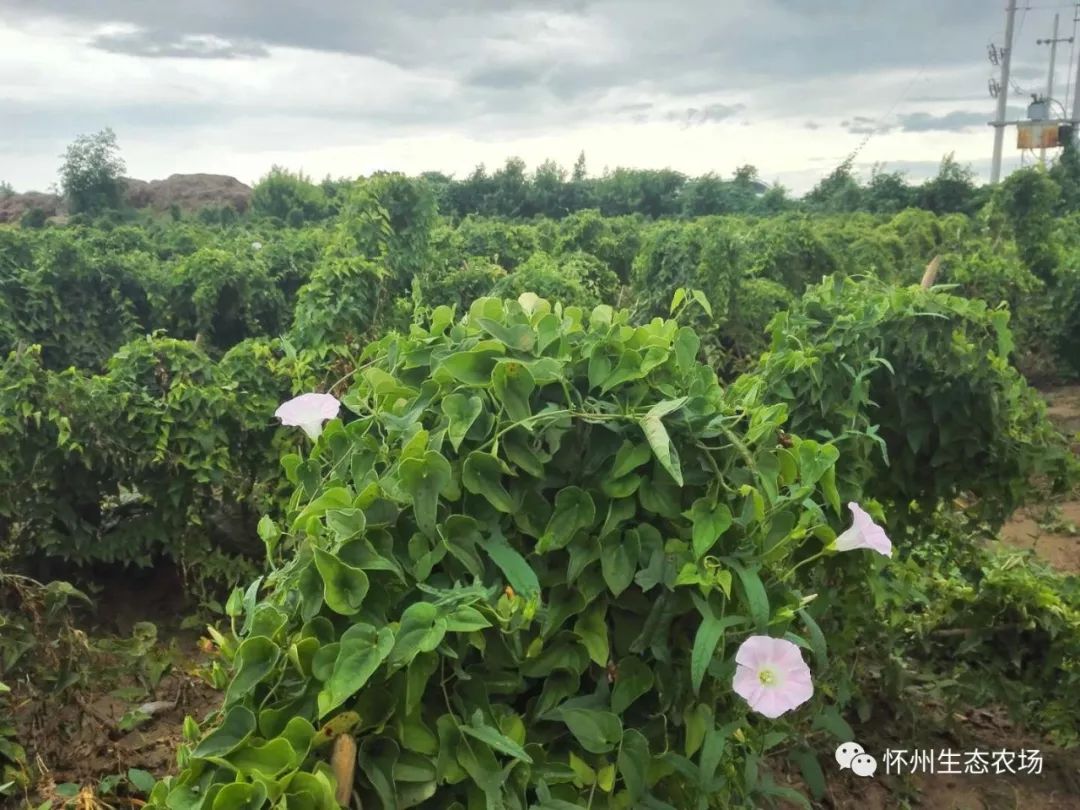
x,y
854,756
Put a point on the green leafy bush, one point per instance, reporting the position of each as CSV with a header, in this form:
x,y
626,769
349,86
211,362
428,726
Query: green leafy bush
x,y
1028,199
1006,629
507,244
1039,319
75,296
596,276
342,302
789,250
546,277
1064,312
408,206
163,456
224,299
350,289
917,389
289,257
459,287
33,218
744,335
288,197
703,255
613,240
518,571
920,232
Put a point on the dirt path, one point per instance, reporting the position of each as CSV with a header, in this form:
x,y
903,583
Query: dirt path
x,y
1052,529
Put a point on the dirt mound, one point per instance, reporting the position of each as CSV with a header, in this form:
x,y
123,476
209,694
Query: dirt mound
x,y
13,206
137,193
189,192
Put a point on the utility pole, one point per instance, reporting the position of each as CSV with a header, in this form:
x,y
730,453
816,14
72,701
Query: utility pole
x,y
1052,42
1003,94
1075,116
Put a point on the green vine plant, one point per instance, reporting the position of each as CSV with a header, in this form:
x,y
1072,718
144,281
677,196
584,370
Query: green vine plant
x,y
540,560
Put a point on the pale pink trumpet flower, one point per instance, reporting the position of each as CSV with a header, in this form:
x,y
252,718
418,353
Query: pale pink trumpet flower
x,y
308,411
771,675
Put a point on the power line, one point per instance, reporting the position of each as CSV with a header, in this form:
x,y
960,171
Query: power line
x,y
1072,52
1016,88
877,124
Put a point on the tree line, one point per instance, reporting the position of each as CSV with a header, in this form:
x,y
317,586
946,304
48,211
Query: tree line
x,y
91,183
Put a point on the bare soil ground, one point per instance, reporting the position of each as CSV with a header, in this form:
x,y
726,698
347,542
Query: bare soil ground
x,y
85,739
92,730
1052,529
1056,787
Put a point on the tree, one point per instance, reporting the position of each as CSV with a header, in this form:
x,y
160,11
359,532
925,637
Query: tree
x,y
774,201
547,191
705,195
1066,173
281,193
473,195
440,185
579,168
580,194
1029,198
887,192
510,187
953,191
33,218
654,193
747,176
839,193
91,173
6,189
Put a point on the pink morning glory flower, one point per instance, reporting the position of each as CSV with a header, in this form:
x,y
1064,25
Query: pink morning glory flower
x,y
864,533
771,675
308,411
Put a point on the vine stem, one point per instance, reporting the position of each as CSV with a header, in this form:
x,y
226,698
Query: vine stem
x,y
812,558
736,442
612,417
442,685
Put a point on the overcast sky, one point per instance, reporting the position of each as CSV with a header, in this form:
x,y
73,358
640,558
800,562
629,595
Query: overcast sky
x,y
346,87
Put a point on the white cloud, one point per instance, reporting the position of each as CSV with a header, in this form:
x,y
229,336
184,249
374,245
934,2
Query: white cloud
x,y
615,78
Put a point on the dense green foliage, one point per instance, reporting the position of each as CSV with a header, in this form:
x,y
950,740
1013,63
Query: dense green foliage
x,y
916,389
166,454
551,192
526,554
291,199
83,293
519,571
